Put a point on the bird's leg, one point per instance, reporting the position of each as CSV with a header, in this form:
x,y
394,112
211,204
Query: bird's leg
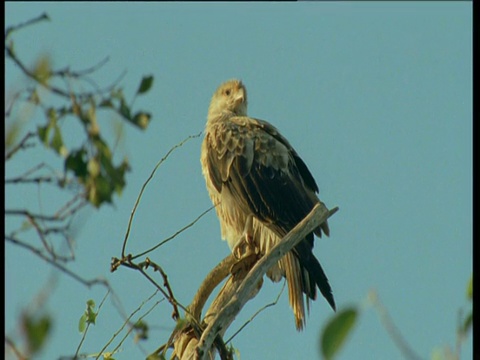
x,y
245,250
245,245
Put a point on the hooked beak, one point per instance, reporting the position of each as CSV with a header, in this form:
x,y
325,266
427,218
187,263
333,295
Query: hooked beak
x,y
240,98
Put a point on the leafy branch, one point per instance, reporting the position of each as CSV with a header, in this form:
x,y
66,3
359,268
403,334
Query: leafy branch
x,y
80,171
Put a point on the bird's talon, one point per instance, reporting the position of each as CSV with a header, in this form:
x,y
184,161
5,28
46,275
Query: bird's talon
x,y
244,264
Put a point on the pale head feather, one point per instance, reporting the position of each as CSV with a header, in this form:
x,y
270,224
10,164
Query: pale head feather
x,y
230,98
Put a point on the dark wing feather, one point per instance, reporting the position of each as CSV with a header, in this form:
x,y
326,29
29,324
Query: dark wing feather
x,y
301,166
314,273
276,200
267,178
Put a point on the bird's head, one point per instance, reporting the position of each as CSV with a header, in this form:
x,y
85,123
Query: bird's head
x,y
231,96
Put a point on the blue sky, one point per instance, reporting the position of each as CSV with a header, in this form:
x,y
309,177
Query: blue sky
x,y
376,98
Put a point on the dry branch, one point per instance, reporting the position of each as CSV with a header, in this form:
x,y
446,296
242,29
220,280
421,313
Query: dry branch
x,y
236,292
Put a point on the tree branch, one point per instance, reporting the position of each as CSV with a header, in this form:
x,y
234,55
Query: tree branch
x,y
65,270
225,315
237,291
21,145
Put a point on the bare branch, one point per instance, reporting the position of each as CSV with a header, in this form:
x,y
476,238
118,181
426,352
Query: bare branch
x,y
132,327
182,337
145,185
178,232
39,18
257,313
127,321
392,329
70,208
21,145
39,253
225,315
213,279
35,180
17,352
66,72
60,216
171,297
141,267
32,75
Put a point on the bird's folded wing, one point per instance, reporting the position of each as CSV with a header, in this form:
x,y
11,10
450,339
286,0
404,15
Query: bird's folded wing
x,y
262,171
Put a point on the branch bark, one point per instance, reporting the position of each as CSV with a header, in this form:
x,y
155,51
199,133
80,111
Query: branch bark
x,y
236,292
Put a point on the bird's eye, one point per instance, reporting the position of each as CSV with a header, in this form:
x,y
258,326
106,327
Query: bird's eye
x,y
227,92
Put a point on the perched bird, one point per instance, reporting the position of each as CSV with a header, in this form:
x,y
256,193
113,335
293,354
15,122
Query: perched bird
x,y
261,189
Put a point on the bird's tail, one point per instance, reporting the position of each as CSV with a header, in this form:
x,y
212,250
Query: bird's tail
x,y
291,266
304,274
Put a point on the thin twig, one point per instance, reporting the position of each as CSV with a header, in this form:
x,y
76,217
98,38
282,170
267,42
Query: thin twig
x,y
178,232
17,352
41,235
28,214
172,301
132,214
88,326
127,322
392,329
215,277
69,209
80,73
36,168
39,253
21,145
132,327
9,108
13,28
36,180
51,88
30,74
171,297
257,313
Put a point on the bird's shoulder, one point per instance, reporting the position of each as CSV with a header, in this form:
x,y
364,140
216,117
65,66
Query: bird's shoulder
x,y
238,133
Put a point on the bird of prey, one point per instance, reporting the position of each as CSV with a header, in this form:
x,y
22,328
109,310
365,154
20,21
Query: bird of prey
x,y
261,189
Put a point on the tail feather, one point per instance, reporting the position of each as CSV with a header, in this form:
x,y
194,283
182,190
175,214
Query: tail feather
x,y
292,270
312,272
303,276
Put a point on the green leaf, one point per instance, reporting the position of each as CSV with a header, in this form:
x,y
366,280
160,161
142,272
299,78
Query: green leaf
x,y
82,323
125,110
34,98
467,324
88,317
102,147
56,143
51,115
93,167
106,103
91,316
41,70
155,357
141,328
100,191
11,134
10,46
76,161
145,85
42,132
141,119
37,331
336,331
